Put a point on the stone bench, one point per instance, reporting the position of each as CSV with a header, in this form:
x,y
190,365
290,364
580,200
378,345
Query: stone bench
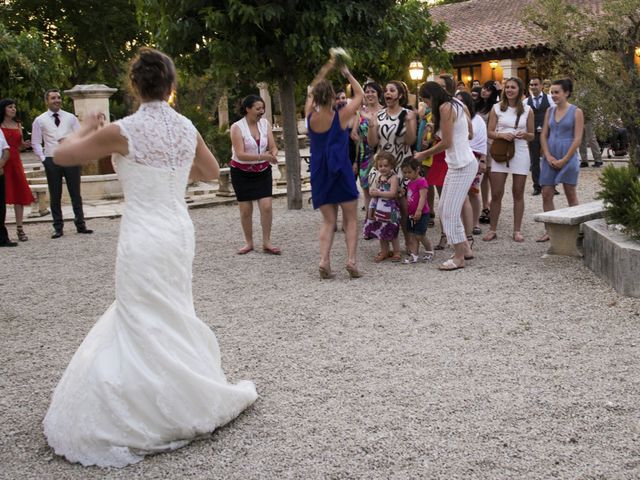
x,y
563,226
225,188
39,206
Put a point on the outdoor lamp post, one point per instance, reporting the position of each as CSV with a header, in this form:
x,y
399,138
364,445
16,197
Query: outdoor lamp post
x,y
493,64
416,72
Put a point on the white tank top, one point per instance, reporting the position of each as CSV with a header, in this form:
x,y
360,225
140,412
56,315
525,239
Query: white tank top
x,y
459,154
250,144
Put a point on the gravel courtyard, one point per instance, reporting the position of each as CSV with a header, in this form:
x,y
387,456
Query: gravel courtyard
x,y
517,367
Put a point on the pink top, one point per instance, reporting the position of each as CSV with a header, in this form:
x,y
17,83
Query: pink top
x,y
413,195
253,146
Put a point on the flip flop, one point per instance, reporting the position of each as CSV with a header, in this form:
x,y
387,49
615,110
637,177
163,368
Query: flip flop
x,y
272,250
490,236
449,265
543,238
244,250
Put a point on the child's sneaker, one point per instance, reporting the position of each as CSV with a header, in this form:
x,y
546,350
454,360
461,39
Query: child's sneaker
x,y
410,259
428,256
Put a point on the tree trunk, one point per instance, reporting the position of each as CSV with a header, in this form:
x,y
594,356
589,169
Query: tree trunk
x,y
634,145
290,129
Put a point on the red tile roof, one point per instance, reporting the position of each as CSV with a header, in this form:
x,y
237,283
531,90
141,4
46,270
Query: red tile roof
x,y
483,26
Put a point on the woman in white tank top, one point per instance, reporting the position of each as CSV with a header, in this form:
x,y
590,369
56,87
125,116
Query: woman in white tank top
x,y
451,121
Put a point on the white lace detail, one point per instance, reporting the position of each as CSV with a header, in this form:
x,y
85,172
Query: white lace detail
x,y
158,136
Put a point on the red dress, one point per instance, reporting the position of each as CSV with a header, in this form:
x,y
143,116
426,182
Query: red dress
x,y
17,191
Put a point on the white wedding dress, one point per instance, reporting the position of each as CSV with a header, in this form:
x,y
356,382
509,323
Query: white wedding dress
x,y
147,378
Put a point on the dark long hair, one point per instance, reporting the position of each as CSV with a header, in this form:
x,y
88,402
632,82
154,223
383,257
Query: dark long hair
x,y
248,102
467,99
433,91
4,103
486,104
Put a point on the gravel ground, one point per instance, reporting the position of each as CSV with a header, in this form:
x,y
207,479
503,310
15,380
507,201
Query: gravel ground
x,y
515,367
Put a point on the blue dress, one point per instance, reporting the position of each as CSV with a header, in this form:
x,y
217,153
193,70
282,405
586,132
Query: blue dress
x,y
561,135
332,179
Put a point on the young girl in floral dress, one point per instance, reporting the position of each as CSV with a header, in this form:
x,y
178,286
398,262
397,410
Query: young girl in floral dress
x,y
386,210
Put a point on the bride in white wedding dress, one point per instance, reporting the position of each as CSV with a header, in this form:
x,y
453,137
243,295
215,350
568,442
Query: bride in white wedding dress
x,y
147,378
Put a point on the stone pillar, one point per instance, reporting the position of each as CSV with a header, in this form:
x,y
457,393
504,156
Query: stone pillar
x,y
266,96
87,99
223,110
509,68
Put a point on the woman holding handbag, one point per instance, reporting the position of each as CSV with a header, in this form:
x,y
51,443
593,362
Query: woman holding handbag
x,y
511,126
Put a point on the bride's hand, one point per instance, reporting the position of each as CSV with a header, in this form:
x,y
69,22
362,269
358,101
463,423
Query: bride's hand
x,y
94,120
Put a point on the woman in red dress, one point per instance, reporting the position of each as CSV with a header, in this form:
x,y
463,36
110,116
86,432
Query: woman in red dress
x,y
17,191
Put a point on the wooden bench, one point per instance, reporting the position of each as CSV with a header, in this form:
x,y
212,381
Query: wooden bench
x,y
225,188
563,226
39,207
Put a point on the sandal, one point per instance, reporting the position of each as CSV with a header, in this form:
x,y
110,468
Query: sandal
x,y
517,237
543,238
326,274
476,231
449,265
428,256
244,250
396,257
410,259
442,244
353,271
380,257
471,241
485,217
21,235
490,236
272,250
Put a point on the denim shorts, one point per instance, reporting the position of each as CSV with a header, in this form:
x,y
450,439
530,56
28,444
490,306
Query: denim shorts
x,y
418,228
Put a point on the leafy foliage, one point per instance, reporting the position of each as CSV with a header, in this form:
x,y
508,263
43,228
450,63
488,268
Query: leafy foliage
x,y
285,42
621,196
597,50
28,67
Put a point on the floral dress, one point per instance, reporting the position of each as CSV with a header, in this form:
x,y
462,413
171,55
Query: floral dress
x,y
386,222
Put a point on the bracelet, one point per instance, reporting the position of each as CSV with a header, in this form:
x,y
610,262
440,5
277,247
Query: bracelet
x,y
482,161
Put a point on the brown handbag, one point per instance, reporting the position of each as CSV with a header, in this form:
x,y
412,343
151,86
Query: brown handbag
x,y
503,150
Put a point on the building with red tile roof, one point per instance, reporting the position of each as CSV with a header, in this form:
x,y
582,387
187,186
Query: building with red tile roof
x,y
488,39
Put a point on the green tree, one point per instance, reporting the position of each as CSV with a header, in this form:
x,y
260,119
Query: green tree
x,y
597,50
29,65
285,42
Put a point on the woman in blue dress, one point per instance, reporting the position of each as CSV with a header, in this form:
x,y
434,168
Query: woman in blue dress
x,y
332,180
560,139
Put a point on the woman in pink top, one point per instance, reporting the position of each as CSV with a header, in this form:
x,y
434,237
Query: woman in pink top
x,y
253,152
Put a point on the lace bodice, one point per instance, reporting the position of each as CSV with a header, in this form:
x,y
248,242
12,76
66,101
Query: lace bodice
x,y
158,136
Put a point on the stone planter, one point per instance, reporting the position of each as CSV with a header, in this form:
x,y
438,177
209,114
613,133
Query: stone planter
x,y
612,256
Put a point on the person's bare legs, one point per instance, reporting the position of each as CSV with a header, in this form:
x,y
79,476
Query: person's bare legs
x,y
519,182
548,193
571,193
19,211
485,189
404,215
498,180
476,207
350,227
266,219
327,231
467,216
246,220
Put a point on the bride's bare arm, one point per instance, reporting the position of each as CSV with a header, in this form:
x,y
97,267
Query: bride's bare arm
x,y
89,144
205,166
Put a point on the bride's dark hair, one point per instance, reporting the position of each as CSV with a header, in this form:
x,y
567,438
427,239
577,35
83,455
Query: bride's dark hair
x,y
152,74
